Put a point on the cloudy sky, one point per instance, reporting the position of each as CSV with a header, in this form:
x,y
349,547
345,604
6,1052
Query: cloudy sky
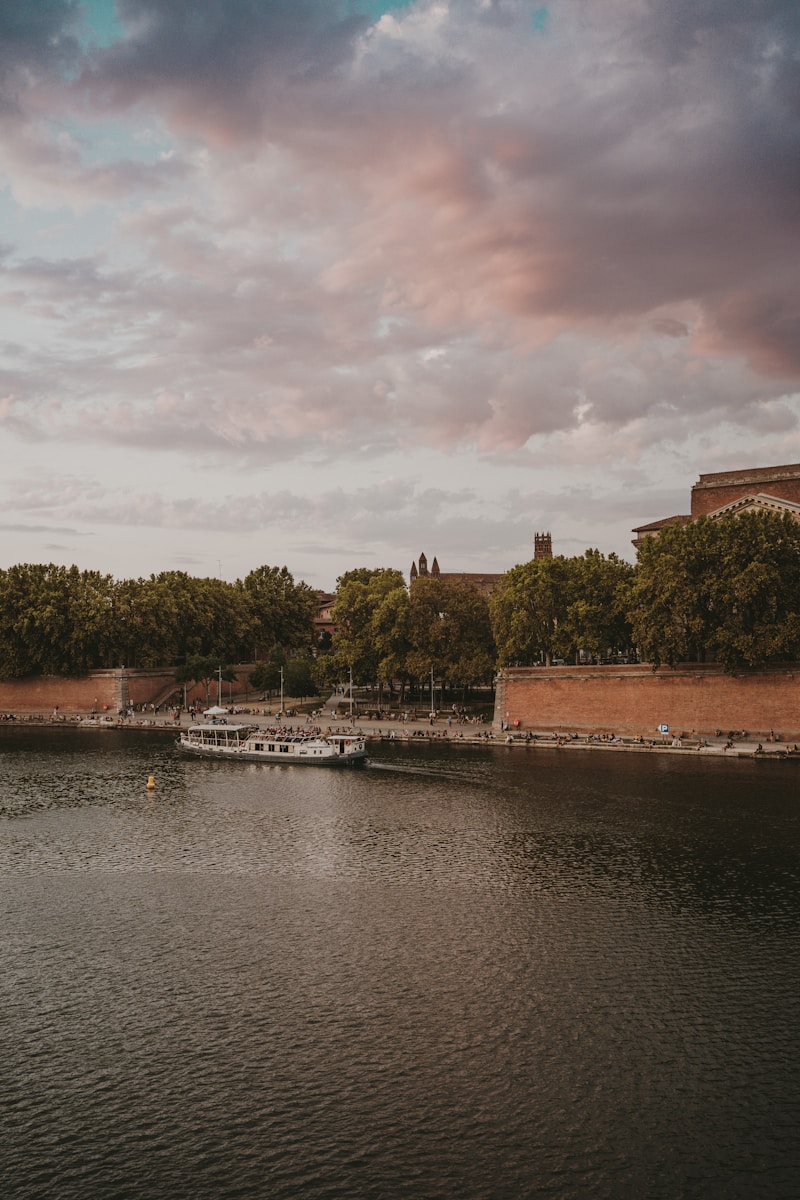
x,y
326,283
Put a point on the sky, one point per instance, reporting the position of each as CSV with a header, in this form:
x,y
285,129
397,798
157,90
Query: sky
x,y
328,283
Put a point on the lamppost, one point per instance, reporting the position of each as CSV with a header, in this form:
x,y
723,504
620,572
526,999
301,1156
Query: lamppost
x,y
351,695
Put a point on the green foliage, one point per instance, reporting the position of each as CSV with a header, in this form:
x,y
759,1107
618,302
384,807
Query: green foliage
x,y
60,620
298,678
203,669
389,630
670,613
755,593
325,673
266,677
556,607
298,675
728,590
725,590
596,618
528,609
280,611
360,596
174,616
449,632
53,620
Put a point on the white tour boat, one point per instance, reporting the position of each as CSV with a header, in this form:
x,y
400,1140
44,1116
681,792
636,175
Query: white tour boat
x,y
248,743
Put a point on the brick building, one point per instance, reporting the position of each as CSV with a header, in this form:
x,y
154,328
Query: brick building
x,y
484,581
323,620
723,493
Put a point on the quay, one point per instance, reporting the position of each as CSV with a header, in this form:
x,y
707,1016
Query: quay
x,y
742,745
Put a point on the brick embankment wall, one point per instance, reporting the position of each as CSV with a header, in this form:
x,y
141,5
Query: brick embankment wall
x,y
43,693
104,691
636,700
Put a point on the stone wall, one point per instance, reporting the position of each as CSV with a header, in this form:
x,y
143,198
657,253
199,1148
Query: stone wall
x,y
636,699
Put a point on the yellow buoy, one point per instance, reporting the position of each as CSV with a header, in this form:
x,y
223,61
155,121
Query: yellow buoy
x,y
151,783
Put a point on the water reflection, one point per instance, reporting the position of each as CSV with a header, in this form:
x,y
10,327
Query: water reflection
x,y
460,972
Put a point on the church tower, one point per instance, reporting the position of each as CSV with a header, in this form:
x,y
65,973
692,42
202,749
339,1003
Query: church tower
x,y
542,546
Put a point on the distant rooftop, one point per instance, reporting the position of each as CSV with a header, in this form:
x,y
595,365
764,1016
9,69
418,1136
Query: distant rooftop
x,y
662,524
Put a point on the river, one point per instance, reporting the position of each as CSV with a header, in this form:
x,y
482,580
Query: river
x,y
460,972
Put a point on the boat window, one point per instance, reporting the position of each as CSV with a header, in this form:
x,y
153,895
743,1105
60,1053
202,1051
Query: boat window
x,y
284,749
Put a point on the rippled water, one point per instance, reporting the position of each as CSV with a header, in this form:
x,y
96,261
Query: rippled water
x,y
457,973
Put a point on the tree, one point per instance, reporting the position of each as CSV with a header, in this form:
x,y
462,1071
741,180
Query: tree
x,y
144,622
754,590
389,630
174,616
472,652
728,590
200,669
671,614
359,595
449,632
596,617
54,620
281,612
298,677
529,610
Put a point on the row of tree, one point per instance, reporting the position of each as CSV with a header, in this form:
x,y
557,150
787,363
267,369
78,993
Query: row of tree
x,y
725,591
61,621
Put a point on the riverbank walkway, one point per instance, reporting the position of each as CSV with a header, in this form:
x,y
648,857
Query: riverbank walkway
x,y
441,728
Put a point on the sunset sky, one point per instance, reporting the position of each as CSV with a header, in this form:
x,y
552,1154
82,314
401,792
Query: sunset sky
x,y
326,283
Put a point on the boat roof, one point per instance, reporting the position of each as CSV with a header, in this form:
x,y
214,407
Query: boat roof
x,y
219,725
266,734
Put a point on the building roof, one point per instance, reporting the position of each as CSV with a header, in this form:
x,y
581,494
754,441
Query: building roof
x,y
482,580
662,524
748,475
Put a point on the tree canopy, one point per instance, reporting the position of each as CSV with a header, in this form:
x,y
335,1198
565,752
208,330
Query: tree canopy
x,y
59,620
724,590
281,612
557,607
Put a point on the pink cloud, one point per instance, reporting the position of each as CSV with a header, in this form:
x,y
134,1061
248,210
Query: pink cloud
x,y
596,224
